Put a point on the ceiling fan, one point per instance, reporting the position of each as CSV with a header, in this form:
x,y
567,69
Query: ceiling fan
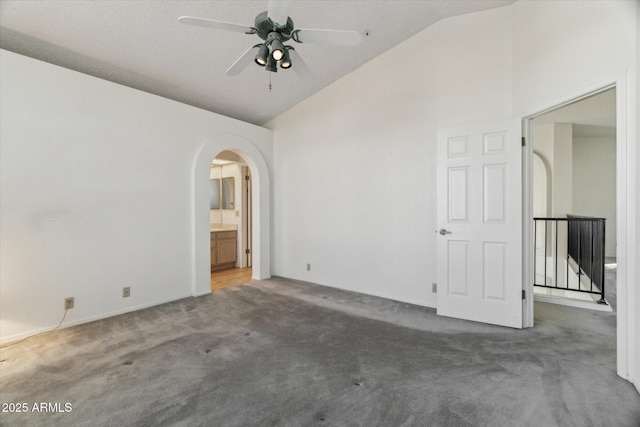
x,y
275,28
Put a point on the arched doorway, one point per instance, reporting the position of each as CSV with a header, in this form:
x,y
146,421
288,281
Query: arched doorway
x,y
230,213
260,218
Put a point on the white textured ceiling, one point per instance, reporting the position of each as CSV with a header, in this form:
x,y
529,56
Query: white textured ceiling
x,y
141,44
596,110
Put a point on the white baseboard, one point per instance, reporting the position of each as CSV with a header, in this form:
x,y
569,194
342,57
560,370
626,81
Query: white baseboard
x,y
87,319
572,302
634,382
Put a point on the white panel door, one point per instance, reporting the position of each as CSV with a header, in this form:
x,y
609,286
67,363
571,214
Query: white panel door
x,y
480,223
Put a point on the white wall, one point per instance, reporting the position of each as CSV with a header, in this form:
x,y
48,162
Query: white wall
x,y
542,135
554,144
594,182
582,172
565,47
540,186
355,163
561,50
562,170
97,194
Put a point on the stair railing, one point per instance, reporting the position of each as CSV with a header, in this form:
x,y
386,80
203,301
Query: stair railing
x,y
583,250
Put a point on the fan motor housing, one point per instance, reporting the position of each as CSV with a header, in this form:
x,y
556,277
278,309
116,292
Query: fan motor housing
x,y
264,26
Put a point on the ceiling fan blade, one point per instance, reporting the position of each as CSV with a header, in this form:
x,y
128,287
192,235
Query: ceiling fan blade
x,y
300,67
242,62
346,38
278,11
219,25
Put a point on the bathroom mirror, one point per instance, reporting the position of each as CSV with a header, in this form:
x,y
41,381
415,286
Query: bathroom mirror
x,y
228,193
222,193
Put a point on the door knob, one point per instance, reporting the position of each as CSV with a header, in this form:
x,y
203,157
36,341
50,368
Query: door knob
x,y
443,231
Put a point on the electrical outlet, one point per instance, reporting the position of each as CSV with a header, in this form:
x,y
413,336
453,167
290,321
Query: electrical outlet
x,y
126,292
68,303
434,287
308,267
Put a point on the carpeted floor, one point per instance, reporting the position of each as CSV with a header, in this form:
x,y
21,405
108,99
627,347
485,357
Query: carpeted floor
x,y
282,353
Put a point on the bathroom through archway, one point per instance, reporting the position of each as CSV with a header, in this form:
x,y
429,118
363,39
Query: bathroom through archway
x,y
230,211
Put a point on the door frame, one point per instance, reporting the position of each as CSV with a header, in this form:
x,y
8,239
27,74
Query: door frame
x,y
247,252
625,213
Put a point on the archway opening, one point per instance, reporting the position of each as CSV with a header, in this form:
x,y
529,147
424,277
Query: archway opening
x,y
230,220
259,218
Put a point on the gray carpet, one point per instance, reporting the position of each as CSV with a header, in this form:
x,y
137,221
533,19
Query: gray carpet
x,y
281,353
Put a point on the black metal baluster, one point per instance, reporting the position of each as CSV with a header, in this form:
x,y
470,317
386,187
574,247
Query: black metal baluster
x,y
589,258
535,246
580,262
592,260
555,276
545,251
602,300
568,250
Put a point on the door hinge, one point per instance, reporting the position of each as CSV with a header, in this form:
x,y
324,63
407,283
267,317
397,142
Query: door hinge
x,y
524,294
247,177
247,251
524,144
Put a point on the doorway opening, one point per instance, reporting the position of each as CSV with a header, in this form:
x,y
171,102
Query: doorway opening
x,y
574,202
260,236
230,211
617,293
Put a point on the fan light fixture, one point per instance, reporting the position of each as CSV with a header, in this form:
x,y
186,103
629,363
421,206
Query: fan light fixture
x,y
261,57
272,64
277,49
276,28
285,62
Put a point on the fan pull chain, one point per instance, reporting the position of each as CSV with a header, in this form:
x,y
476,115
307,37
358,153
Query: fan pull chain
x,y
269,81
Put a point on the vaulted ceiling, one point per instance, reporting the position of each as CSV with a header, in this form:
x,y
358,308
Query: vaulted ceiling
x,y
140,44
